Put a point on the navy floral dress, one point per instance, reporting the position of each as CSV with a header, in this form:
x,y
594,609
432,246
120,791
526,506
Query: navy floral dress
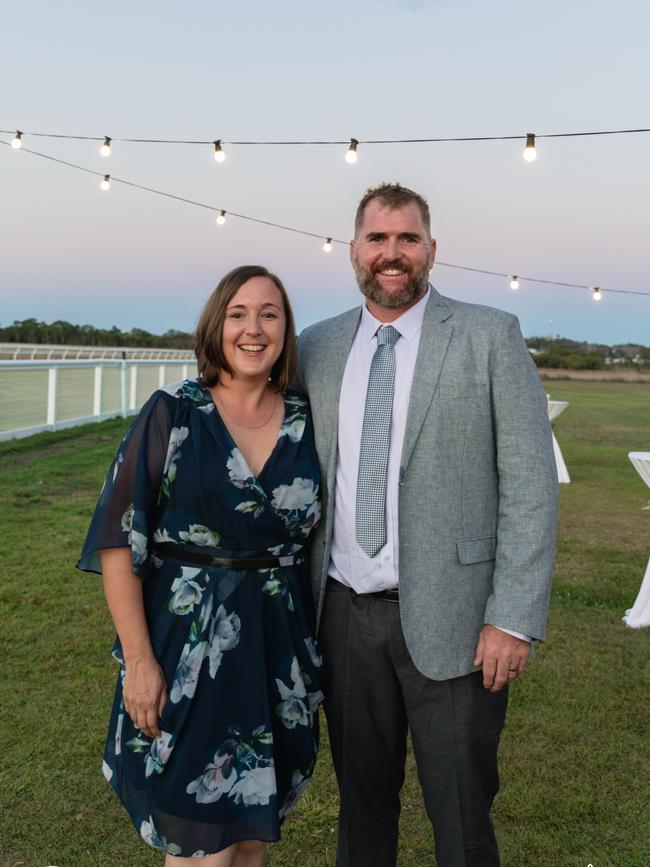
x,y
239,730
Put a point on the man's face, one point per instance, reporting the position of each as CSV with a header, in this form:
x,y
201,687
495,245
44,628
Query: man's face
x,y
392,256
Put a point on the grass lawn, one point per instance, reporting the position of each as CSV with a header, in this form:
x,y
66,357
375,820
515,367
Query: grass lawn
x,y
575,755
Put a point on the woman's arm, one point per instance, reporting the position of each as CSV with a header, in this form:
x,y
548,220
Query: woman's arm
x,y
144,689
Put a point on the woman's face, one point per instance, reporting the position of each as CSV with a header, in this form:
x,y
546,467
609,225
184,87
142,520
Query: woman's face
x,y
254,329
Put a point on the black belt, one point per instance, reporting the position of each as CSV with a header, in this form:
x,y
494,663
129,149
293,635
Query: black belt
x,y
392,594
177,552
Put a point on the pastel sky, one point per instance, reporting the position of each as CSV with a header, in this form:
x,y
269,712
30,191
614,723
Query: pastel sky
x,y
301,70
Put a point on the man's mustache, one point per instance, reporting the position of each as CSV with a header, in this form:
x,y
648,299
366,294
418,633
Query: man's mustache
x,y
391,265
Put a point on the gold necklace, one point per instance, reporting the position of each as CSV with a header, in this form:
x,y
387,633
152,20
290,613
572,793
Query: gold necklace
x,y
225,411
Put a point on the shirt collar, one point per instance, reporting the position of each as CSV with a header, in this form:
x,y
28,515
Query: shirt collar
x,y
408,324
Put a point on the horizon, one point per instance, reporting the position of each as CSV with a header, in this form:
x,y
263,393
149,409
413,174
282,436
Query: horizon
x,y
171,331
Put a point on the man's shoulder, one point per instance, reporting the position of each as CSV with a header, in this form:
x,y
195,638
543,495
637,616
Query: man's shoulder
x,y
326,328
478,313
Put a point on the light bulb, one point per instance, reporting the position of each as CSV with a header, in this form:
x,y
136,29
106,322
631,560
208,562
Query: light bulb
x,y
327,246
219,154
597,294
221,218
16,142
105,149
351,154
106,183
514,282
530,154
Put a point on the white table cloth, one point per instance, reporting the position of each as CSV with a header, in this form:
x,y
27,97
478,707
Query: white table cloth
x,y
639,614
556,408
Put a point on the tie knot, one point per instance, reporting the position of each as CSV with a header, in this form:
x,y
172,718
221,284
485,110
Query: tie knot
x,y
387,335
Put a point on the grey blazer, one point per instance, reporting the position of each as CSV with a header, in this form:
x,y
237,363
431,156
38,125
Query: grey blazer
x,y
478,483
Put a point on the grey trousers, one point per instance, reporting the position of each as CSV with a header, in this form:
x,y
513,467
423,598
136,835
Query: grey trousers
x,y
373,696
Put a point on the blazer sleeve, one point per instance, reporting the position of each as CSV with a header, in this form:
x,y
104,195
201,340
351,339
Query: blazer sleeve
x,y
528,489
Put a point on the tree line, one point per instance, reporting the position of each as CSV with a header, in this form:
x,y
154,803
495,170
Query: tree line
x,y
64,333
575,355
546,351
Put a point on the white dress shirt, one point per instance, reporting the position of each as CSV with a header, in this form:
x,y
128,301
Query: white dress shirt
x,y
349,564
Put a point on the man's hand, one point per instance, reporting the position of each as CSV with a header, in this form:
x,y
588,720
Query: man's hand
x,y
502,657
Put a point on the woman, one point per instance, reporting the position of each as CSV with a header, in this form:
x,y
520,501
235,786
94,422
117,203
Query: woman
x,y
200,533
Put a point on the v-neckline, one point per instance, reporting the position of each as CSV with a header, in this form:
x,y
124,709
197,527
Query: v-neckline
x,y
233,442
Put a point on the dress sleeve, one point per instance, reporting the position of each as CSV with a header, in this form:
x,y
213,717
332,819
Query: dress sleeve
x,y
126,510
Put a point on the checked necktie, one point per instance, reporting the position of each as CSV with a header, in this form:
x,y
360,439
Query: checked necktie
x,y
375,444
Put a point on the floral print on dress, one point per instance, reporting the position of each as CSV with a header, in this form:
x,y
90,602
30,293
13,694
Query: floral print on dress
x,y
139,550
232,644
238,470
158,756
177,437
197,534
295,419
298,505
224,635
299,783
163,536
152,837
314,655
297,705
187,590
136,540
242,769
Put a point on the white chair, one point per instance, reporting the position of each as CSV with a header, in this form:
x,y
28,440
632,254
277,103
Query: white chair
x,y
556,408
639,614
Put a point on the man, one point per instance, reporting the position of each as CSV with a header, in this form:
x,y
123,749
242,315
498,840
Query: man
x,y
432,566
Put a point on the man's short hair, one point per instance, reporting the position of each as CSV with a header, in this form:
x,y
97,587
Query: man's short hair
x,y
393,196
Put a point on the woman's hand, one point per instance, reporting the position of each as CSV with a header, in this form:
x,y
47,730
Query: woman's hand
x,y
144,694
144,690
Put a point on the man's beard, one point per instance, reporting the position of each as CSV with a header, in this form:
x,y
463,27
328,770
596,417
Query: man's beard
x,y
415,287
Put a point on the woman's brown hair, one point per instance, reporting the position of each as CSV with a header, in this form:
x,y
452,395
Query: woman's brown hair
x,y
209,330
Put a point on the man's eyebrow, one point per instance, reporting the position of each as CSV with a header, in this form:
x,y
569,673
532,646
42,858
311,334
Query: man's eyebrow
x,y
374,236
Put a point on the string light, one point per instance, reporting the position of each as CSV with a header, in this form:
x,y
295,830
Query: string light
x,y
105,149
429,140
327,246
221,218
219,153
530,154
106,183
514,282
16,141
351,154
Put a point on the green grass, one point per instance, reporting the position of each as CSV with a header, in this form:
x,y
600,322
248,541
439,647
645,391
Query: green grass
x,y
575,753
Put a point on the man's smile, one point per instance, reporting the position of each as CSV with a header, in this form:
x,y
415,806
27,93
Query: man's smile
x,y
392,272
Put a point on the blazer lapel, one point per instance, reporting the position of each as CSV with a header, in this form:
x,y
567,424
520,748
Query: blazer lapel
x,y
334,361
434,342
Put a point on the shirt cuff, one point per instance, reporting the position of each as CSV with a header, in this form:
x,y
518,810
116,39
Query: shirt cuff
x,y
516,634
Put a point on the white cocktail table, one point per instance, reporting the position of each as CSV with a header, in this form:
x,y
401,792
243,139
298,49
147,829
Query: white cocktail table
x,y
639,614
556,408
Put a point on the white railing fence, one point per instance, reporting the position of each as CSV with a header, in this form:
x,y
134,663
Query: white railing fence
x,y
39,395
55,351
